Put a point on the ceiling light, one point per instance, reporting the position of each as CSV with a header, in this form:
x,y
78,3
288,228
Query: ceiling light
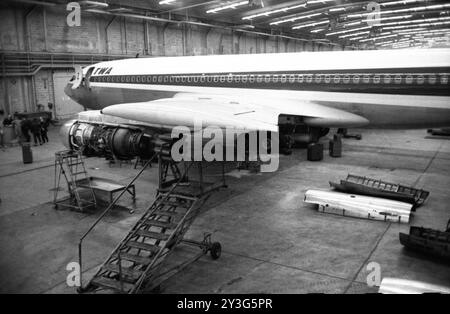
x,y
285,9
348,30
311,24
166,2
336,9
354,34
232,5
379,37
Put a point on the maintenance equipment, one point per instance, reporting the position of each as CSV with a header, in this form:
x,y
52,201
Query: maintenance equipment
x,y
335,146
315,152
70,164
378,188
428,241
134,265
27,153
350,205
106,186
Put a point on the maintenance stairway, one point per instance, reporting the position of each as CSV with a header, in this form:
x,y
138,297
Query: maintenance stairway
x,y
134,265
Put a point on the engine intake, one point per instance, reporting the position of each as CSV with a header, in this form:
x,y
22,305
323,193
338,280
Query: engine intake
x,y
104,140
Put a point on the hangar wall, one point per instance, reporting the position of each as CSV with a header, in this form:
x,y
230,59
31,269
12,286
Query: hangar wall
x,y
44,30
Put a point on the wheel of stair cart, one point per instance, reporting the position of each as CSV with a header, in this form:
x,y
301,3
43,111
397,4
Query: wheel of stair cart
x,y
215,250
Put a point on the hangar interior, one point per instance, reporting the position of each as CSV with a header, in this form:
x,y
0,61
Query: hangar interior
x,y
271,240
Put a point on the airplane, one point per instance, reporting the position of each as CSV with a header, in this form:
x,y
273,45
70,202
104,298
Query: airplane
x,y
299,96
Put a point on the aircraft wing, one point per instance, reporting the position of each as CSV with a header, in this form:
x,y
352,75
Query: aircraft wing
x,y
239,114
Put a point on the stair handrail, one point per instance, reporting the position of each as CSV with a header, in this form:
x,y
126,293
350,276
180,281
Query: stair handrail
x,y
111,205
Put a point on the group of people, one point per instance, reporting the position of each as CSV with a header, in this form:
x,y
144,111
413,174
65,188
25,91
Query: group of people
x,y
38,127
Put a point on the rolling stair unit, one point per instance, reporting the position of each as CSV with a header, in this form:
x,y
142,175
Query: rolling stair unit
x,y
71,166
135,264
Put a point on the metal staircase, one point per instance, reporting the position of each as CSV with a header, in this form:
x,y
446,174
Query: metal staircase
x,y
71,166
138,257
134,265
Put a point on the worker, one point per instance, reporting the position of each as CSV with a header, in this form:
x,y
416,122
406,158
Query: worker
x,y
36,130
44,128
17,123
25,127
8,120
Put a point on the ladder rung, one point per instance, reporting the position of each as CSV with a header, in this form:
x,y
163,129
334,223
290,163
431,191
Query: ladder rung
x,y
144,246
74,187
134,258
77,173
151,234
132,273
162,224
111,284
191,198
75,163
167,213
175,204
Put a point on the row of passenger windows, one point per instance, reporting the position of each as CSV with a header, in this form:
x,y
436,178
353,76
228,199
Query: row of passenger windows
x,y
283,78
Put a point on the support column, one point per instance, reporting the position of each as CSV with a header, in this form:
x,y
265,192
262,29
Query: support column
x,y
6,104
44,21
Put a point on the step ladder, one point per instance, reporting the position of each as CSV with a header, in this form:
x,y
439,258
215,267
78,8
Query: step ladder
x,y
70,165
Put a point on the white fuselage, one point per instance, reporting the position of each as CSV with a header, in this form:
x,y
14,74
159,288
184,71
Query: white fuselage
x,y
391,88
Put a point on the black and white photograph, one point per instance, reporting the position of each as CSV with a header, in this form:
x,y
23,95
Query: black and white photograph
x,y
224,153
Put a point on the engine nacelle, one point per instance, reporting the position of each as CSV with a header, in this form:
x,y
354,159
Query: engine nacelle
x,y
105,140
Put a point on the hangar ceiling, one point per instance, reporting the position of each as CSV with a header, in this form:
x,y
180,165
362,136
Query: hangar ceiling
x,y
362,24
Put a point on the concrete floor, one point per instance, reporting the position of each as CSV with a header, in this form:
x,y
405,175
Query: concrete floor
x,y
272,241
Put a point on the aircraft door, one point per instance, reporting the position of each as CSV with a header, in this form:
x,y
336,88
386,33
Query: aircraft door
x,y
78,77
88,77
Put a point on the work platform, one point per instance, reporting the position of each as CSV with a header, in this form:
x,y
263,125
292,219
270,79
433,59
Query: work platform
x,y
84,191
103,185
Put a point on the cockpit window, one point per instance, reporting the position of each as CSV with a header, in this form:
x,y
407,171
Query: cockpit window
x,y
73,78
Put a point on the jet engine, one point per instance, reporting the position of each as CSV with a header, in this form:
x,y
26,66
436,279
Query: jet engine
x,y
107,140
